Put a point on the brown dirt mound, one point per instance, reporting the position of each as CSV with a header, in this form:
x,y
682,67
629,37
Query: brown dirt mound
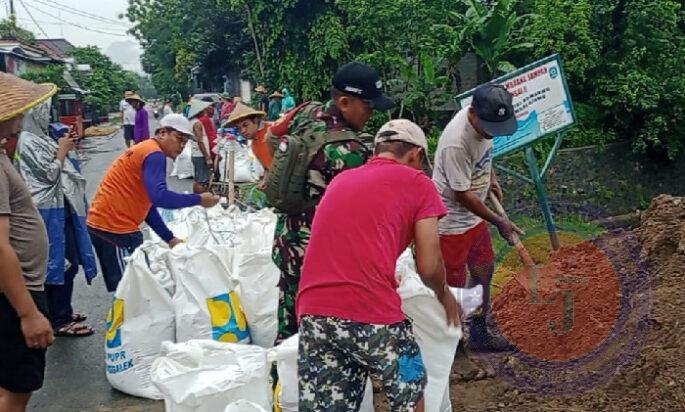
x,y
654,380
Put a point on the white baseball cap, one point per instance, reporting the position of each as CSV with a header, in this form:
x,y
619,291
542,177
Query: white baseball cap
x,y
179,123
402,130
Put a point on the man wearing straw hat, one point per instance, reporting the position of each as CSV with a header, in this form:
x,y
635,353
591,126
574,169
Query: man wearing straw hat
x,y
128,117
25,331
251,125
200,153
263,99
141,128
275,105
130,193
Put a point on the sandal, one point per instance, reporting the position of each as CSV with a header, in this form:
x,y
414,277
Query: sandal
x,y
74,330
78,317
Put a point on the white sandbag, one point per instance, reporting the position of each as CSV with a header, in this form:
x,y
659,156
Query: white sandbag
x,y
208,376
244,406
285,356
247,167
140,319
437,341
183,165
206,304
258,289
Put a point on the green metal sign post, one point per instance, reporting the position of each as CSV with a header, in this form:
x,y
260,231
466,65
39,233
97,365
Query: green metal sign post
x,y
543,107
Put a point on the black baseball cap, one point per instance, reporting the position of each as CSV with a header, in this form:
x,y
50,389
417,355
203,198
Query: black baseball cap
x,y
494,108
361,80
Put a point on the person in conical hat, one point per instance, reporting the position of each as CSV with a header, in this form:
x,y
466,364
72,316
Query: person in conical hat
x,y
262,98
24,249
252,126
141,127
200,153
275,105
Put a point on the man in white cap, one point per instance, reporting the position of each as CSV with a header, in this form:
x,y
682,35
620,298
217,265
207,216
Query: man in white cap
x,y
130,193
25,333
351,322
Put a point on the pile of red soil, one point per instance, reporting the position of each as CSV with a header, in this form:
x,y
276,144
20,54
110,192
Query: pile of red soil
x,y
574,312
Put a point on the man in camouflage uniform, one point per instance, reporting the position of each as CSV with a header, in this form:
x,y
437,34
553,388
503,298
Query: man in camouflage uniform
x,y
356,92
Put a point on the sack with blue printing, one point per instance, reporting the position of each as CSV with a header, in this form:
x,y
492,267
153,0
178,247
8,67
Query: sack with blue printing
x,y
206,303
140,319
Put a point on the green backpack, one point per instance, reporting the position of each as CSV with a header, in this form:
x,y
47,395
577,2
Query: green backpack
x,y
286,185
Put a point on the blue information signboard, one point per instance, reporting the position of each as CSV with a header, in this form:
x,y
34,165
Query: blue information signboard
x,y
542,103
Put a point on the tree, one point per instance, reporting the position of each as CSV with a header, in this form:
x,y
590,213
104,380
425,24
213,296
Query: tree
x,y
10,30
52,73
106,81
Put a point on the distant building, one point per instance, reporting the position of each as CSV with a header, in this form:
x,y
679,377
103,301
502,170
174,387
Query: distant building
x,y
16,56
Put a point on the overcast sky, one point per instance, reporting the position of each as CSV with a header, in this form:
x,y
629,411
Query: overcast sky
x,y
61,18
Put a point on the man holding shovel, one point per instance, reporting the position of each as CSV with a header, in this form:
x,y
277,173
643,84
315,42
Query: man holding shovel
x,y
464,176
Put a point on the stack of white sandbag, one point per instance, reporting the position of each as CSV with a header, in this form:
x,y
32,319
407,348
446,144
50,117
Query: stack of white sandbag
x,y
194,291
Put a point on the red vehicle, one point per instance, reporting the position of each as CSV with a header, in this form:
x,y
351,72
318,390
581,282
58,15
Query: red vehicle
x,y
70,112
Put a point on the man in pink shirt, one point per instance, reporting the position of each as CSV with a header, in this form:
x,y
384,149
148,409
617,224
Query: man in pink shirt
x,y
351,320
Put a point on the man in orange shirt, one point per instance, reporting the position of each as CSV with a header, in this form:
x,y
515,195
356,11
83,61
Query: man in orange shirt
x,y
251,125
132,190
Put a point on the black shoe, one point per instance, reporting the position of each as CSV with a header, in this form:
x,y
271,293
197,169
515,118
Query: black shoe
x,y
481,339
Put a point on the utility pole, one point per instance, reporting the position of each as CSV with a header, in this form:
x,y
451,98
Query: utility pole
x,y
12,9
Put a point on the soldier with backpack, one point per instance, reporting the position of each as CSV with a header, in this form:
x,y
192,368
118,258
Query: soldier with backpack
x,y
311,147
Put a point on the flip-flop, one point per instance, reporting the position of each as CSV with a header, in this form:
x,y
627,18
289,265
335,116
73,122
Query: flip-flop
x,y
78,317
74,330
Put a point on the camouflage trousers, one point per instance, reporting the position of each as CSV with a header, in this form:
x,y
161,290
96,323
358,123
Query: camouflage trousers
x,y
336,356
291,241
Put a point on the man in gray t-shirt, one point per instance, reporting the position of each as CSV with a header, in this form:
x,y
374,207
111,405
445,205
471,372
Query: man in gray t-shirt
x,y
464,176
24,329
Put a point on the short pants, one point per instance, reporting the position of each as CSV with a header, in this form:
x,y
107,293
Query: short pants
x,y
201,170
22,369
128,132
472,248
336,357
111,249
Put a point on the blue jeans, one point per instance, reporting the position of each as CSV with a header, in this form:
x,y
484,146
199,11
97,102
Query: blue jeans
x,y
59,296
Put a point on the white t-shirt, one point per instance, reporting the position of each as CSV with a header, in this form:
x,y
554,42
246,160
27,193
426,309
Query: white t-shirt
x,y
129,113
194,148
463,161
167,110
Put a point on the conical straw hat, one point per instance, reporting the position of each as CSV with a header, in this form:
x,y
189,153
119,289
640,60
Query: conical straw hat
x,y
134,97
19,95
275,94
242,111
197,106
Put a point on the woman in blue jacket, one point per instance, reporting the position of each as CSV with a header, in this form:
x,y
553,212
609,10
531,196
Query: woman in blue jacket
x,y
58,191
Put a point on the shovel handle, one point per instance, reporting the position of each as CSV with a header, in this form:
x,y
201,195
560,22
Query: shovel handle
x,y
520,248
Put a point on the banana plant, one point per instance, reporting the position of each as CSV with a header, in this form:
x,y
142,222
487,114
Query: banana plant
x,y
421,88
493,32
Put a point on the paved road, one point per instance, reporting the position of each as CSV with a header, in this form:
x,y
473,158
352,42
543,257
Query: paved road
x,y
75,379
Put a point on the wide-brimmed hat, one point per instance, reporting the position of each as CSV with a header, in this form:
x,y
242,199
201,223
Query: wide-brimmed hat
x,y
242,111
197,106
135,97
276,94
260,89
128,93
19,95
